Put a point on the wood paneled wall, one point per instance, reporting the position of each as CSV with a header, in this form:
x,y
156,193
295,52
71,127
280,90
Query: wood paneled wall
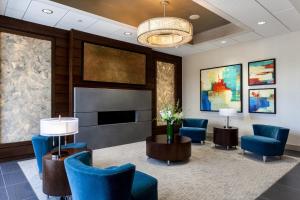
x,y
66,72
76,46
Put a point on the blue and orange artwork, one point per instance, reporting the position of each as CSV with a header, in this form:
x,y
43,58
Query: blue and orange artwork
x,y
221,88
262,100
262,72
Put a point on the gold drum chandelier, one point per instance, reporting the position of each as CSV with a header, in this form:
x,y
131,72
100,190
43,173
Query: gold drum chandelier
x,y
165,31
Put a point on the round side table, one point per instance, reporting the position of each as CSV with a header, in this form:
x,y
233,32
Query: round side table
x,y
227,137
55,181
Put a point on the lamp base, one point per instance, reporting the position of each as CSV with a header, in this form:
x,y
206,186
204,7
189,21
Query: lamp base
x,y
55,155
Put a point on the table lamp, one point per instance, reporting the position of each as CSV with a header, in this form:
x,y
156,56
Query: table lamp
x,y
61,126
227,112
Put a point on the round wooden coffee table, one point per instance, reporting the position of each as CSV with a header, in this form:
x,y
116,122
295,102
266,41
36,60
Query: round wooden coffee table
x,y
55,181
158,148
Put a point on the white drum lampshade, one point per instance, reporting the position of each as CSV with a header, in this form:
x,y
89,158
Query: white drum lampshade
x,y
59,126
227,112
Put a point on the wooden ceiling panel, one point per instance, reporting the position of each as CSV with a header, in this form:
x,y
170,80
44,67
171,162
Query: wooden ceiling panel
x,y
133,12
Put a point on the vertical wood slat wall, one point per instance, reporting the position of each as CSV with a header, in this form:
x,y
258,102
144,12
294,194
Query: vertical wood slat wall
x,y
66,72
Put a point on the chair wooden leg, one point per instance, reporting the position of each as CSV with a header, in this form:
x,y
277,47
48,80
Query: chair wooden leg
x,y
264,158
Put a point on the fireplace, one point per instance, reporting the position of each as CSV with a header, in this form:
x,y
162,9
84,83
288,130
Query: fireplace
x,y
109,117
116,117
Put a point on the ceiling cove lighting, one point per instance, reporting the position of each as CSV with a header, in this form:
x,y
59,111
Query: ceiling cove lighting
x,y
164,31
47,11
261,23
194,17
127,33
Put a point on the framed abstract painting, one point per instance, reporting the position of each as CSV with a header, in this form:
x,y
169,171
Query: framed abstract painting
x,y
262,100
221,87
262,72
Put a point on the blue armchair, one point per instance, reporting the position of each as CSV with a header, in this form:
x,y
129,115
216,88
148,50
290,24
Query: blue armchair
x,y
195,129
43,144
113,183
266,141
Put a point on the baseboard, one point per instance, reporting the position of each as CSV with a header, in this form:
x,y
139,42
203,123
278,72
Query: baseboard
x,y
292,147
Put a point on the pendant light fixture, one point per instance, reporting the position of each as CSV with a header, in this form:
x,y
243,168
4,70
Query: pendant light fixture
x,y
165,31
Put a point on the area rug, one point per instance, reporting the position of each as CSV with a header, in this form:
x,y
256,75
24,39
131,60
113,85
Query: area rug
x,y
210,174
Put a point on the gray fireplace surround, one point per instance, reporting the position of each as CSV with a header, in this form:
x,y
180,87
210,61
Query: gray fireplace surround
x,y
92,104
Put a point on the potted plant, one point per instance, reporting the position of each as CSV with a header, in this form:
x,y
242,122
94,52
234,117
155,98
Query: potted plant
x,y
172,115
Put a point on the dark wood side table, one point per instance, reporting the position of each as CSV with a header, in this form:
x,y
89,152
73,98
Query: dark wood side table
x,y
226,136
158,148
55,181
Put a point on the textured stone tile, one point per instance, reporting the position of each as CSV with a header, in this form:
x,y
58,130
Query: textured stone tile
x,y
20,191
3,194
10,167
14,178
26,66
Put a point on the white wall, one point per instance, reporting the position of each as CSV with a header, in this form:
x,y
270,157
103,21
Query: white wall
x,y
286,50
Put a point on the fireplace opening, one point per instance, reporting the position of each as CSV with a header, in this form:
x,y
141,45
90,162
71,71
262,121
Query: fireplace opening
x,y
115,117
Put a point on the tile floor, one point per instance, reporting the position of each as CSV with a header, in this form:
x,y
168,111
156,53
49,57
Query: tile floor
x,y
288,187
13,183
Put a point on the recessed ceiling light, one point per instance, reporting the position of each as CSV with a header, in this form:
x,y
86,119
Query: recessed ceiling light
x,y
261,23
194,17
223,42
127,33
47,11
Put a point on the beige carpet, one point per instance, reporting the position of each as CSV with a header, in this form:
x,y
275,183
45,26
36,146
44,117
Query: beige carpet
x,y
210,174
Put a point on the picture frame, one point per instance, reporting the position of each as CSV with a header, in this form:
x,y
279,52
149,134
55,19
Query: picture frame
x,y
262,100
262,72
221,87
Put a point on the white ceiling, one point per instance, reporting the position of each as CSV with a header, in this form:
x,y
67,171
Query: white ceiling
x,y
281,16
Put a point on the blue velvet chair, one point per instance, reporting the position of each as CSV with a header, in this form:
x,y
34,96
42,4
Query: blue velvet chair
x,y
195,129
113,183
266,141
43,144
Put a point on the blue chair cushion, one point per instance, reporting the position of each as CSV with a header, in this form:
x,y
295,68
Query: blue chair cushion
x,y
196,134
260,145
78,145
144,187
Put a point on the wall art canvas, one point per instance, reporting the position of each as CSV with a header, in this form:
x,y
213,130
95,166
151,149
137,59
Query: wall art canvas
x,y
106,64
262,100
262,72
221,87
